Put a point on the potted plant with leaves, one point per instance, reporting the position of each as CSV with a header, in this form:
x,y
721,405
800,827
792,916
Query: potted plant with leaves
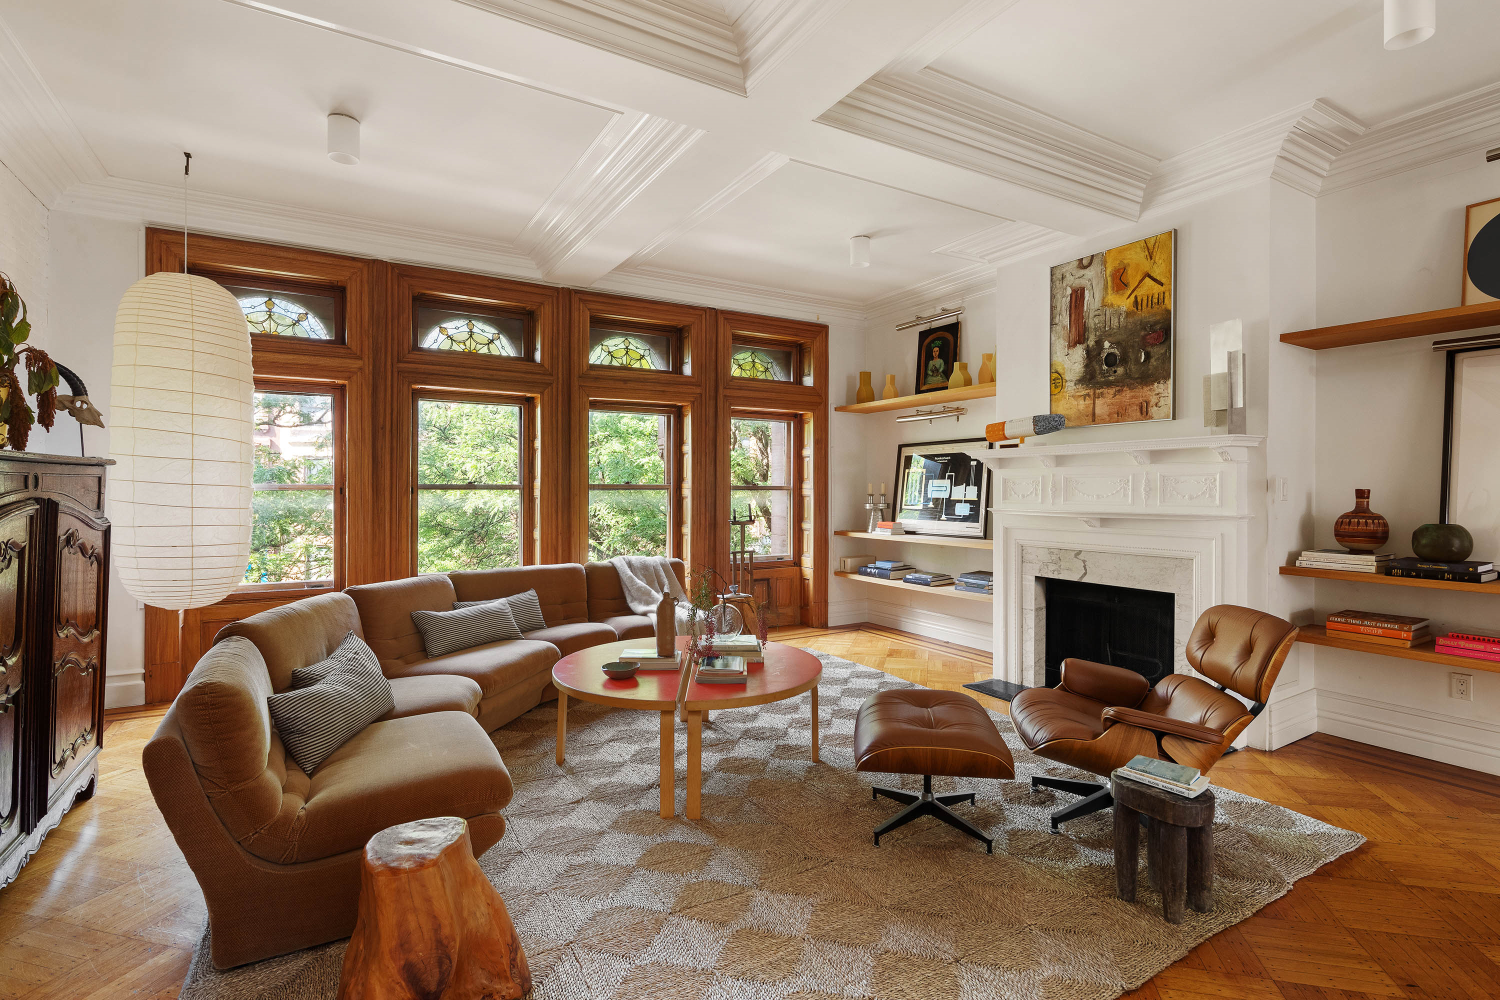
x,y
16,415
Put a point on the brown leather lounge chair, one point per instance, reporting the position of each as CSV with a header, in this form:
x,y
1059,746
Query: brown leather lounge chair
x,y
1101,716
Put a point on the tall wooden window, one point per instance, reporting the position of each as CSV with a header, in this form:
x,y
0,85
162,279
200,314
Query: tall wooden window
x,y
761,482
297,497
469,479
632,481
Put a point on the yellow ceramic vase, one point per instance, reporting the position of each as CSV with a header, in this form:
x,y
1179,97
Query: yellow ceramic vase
x,y
890,388
960,377
986,371
866,391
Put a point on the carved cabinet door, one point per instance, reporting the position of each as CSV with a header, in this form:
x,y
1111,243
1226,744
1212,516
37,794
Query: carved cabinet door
x,y
80,582
16,582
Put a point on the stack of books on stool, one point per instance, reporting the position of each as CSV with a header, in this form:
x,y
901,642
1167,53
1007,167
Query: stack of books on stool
x,y
1345,562
1472,643
1383,630
1472,571
886,569
1179,779
722,670
978,581
924,578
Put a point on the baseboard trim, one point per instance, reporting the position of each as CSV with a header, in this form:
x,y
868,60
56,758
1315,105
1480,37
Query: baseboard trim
x,y
1410,731
919,621
124,692
1291,718
847,612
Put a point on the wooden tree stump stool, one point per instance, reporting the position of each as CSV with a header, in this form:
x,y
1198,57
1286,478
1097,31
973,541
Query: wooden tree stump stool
x,y
430,925
1179,845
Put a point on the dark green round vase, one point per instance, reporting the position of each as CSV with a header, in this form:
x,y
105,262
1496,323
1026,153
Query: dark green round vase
x,y
1442,542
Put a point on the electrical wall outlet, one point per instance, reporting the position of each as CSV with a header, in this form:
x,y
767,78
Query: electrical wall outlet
x,y
1461,686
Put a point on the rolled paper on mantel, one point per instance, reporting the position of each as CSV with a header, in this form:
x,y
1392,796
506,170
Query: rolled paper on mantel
x,y
1025,427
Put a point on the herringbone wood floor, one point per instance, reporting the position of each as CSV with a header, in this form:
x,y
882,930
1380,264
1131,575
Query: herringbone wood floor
x,y
108,908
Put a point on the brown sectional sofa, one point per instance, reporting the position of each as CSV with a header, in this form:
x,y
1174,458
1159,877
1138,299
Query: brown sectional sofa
x,y
276,852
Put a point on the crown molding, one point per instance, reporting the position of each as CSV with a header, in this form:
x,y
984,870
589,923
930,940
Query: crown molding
x,y
38,141
965,283
691,39
1465,124
695,289
1297,147
767,31
623,161
1006,243
963,23
759,171
938,116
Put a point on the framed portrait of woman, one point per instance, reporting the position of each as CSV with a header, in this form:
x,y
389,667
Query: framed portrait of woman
x,y
937,349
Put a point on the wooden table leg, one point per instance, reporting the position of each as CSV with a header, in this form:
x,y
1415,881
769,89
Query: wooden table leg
x,y
1173,871
562,723
1200,868
694,765
668,764
1127,851
815,722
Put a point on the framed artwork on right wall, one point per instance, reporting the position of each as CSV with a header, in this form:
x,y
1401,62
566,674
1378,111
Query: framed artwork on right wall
x,y
1482,252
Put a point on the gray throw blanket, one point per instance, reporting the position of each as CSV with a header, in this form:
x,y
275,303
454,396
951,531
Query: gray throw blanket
x,y
644,579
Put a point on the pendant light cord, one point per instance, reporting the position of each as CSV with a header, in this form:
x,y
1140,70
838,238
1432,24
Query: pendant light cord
x,y
187,165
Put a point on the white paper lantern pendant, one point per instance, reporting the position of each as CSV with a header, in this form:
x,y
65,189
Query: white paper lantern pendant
x,y
181,404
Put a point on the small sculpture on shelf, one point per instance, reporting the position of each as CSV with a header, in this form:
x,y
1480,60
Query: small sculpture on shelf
x,y
877,510
1361,529
890,388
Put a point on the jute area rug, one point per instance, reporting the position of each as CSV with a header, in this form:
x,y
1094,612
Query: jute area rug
x,y
777,893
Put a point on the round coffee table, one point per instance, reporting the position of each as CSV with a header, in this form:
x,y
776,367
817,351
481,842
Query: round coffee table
x,y
786,673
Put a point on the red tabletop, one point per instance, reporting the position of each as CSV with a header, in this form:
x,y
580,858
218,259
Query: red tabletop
x,y
787,671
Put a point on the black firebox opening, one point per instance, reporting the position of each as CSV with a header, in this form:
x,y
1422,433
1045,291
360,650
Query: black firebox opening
x,y
1121,626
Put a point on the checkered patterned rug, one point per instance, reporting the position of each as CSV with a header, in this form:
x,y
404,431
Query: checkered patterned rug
x,y
777,893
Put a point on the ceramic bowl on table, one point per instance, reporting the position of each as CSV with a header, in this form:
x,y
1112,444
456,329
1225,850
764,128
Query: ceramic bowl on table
x,y
618,671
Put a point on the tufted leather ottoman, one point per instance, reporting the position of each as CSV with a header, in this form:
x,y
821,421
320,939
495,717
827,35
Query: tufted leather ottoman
x,y
919,731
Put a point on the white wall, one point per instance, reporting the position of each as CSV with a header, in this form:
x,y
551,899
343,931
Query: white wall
x,y
1391,247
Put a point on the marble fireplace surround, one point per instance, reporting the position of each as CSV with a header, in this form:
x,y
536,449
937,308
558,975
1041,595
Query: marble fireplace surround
x,y
1170,515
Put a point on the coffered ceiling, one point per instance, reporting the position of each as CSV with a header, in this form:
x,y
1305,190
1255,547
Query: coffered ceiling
x,y
585,141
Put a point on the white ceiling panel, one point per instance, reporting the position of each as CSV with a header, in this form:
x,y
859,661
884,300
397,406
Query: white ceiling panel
x,y
248,95
792,231
1165,75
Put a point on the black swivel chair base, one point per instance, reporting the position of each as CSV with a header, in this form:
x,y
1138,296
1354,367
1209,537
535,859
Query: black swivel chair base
x,y
1096,797
928,804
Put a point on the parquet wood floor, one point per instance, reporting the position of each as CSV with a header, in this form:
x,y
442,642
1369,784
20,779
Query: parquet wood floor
x,y
109,909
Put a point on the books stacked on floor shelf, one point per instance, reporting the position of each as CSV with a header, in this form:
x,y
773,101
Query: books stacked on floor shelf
x,y
976,582
722,670
645,658
888,528
1472,644
746,646
1345,562
1473,571
1383,630
1179,779
886,569
922,578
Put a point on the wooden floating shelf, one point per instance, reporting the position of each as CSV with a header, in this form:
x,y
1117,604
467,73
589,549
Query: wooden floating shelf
x,y
1395,581
937,398
916,539
1318,636
1373,331
940,591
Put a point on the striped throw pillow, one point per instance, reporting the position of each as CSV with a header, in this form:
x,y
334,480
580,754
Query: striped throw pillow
x,y
527,611
464,628
351,650
315,721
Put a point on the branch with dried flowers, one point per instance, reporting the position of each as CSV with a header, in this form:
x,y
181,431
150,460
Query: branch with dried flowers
x,y
16,416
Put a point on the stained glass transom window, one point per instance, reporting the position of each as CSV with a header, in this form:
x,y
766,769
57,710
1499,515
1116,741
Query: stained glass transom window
x,y
750,363
473,336
274,316
624,352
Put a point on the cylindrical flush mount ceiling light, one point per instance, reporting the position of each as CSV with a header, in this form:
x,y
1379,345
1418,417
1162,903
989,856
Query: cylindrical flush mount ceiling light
x,y
859,251
1409,22
181,398
343,139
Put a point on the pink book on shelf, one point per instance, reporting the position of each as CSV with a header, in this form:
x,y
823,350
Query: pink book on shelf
x,y
1469,642
1443,646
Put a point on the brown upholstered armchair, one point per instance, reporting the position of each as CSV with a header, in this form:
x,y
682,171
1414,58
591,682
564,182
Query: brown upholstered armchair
x,y
1101,716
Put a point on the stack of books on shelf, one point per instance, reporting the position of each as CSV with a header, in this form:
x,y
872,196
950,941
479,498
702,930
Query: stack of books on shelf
x,y
886,569
1473,571
923,578
747,646
722,670
888,528
1345,562
645,658
1381,629
1179,779
976,582
1476,645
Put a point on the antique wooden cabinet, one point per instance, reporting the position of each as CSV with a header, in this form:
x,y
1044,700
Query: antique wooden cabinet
x,y
54,583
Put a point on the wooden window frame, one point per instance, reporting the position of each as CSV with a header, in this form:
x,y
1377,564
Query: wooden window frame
x,y
293,286
793,474
677,362
527,470
476,307
673,465
758,341
260,591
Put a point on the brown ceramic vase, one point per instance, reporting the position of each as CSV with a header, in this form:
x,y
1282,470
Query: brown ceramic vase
x,y
1361,529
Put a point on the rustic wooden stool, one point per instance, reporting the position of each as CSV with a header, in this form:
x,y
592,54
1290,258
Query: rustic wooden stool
x,y
430,925
1179,845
